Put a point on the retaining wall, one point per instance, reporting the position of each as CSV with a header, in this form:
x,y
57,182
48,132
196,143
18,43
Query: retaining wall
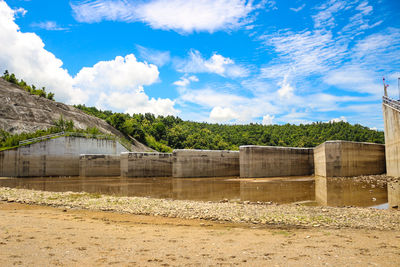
x,y
99,165
392,140
54,157
142,164
270,161
345,159
205,163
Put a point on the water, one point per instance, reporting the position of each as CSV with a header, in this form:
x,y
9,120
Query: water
x,y
306,190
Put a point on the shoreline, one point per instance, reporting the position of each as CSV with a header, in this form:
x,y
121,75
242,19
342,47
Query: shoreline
x,y
268,215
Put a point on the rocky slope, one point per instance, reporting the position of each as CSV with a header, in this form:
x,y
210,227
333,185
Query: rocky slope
x,y
23,112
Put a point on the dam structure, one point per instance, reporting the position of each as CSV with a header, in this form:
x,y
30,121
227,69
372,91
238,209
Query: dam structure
x,y
391,116
54,157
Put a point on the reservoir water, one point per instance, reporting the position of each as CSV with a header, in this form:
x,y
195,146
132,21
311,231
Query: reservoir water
x,y
305,190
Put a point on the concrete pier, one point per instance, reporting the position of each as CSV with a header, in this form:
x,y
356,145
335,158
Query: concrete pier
x,y
391,116
142,164
345,159
54,157
270,161
393,188
99,165
205,163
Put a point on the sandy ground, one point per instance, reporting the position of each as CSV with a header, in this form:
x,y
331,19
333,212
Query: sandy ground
x,y
33,235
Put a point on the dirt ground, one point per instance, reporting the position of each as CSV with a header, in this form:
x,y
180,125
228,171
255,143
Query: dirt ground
x,y
41,236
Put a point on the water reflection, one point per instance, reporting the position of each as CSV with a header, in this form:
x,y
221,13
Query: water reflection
x,y
324,191
348,192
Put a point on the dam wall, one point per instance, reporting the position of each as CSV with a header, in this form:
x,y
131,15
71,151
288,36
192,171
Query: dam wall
x,y
391,116
54,157
345,159
270,161
143,164
205,163
99,165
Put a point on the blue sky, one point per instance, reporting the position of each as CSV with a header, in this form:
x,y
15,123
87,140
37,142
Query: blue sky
x,y
225,61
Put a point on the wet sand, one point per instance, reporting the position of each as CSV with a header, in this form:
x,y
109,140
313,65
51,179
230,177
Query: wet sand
x,y
42,236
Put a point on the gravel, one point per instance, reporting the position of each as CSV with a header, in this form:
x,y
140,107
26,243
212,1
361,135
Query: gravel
x,y
288,215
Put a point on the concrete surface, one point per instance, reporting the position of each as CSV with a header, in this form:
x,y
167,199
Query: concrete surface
x,y
205,163
142,164
270,161
345,159
99,165
54,157
394,194
392,140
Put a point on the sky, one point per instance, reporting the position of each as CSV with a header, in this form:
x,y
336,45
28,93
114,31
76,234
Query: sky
x,y
220,61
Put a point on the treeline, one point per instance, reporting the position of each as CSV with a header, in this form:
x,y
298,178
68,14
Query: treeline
x,y
165,133
8,140
29,88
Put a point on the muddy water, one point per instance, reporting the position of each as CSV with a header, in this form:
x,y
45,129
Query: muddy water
x,y
307,190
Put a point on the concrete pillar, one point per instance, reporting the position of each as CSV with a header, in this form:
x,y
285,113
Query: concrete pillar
x,y
205,163
394,194
99,165
270,161
145,164
346,159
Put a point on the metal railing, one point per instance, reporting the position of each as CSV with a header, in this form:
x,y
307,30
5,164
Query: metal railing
x,y
395,104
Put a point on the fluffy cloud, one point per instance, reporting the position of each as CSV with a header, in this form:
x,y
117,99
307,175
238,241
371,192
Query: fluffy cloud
x,y
28,58
219,114
116,83
268,119
185,81
217,64
136,102
179,15
342,118
122,73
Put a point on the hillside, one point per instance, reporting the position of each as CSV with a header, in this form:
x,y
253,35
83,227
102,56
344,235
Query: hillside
x,y
21,111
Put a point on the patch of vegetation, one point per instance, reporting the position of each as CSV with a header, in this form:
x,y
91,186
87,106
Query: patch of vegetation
x,y
8,140
29,88
163,133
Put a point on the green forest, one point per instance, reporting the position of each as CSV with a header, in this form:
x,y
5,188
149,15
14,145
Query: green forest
x,y
164,133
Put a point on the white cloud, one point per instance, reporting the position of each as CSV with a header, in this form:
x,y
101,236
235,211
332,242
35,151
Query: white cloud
x,y
20,12
116,83
120,85
185,81
356,79
28,59
219,114
342,118
122,73
286,90
179,15
268,119
159,58
48,25
217,64
136,102
297,9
